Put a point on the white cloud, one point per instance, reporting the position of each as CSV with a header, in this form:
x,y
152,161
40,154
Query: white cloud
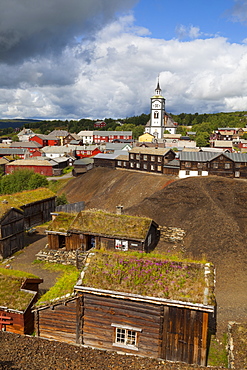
x,y
114,75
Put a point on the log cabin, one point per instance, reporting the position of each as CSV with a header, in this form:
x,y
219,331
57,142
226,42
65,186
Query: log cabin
x,y
101,229
132,304
18,293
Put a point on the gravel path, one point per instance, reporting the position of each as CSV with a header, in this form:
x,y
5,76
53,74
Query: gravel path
x,y
23,261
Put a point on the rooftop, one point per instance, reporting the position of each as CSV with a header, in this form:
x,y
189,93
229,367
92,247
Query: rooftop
x,y
102,223
149,275
29,196
11,295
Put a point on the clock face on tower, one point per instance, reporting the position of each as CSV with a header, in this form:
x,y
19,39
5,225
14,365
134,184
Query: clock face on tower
x,y
156,105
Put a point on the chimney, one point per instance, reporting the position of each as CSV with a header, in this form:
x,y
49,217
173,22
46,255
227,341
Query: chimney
x,y
119,210
53,215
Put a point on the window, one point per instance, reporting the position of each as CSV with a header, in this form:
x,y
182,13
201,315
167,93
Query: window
x,y
121,245
152,167
124,164
215,165
119,163
237,174
227,166
159,168
199,165
132,165
145,166
152,158
145,157
187,164
159,159
131,156
187,173
199,173
137,165
138,156
126,336
237,165
156,114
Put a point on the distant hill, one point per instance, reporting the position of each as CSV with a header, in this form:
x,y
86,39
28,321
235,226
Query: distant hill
x,y
14,123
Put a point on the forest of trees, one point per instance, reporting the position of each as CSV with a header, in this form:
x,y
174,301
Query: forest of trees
x,y
201,124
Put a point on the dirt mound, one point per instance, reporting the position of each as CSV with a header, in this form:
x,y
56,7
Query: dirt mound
x,y
105,188
212,210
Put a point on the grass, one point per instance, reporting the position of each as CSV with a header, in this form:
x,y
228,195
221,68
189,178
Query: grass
x,y
10,294
28,196
218,352
147,275
105,223
62,222
57,185
64,284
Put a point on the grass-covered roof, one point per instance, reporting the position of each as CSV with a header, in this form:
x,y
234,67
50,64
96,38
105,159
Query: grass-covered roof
x,y
111,224
148,275
10,294
62,222
29,196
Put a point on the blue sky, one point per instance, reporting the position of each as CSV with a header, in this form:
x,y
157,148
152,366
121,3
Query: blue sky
x,y
213,18
99,59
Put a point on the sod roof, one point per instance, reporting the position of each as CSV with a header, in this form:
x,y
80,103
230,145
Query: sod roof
x,y
150,275
11,295
18,200
62,222
111,224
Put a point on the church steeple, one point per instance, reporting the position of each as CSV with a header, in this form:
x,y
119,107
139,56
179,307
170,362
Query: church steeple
x,y
158,89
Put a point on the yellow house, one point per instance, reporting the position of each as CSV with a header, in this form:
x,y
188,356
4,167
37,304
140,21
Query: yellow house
x,y
146,138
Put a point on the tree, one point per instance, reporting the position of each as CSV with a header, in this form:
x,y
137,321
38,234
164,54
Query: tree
x,y
21,180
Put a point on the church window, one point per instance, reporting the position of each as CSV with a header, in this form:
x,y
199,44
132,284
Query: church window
x,y
156,114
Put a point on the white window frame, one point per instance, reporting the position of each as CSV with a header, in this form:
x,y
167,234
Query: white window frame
x,y
126,336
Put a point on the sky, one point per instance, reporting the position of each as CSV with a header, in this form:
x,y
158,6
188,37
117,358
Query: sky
x,y
73,59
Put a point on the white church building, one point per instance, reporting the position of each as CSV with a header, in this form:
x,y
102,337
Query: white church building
x,y
160,121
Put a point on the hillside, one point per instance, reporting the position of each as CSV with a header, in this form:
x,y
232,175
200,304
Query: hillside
x,y
105,188
211,210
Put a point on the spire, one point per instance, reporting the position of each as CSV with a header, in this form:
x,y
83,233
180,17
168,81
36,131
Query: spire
x,y
158,89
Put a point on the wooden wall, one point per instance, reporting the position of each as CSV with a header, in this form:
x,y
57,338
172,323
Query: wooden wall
x,y
185,335
100,312
38,212
58,322
22,323
11,233
168,332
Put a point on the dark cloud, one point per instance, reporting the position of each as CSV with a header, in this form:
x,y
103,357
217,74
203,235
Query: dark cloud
x,y
238,13
29,28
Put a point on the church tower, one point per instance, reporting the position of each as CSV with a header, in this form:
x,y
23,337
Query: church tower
x,y
156,125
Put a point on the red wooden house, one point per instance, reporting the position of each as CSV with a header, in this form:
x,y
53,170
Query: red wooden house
x,y
110,136
45,140
38,166
87,151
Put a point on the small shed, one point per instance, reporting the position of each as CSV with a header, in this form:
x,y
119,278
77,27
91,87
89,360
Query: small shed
x,y
142,305
103,230
18,293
